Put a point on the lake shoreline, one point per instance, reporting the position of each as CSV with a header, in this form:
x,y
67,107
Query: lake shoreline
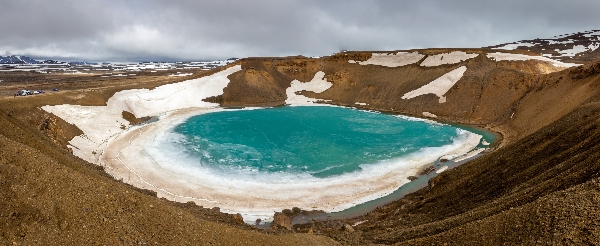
x,y
120,158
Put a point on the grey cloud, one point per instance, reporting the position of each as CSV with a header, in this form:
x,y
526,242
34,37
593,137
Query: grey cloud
x,y
195,30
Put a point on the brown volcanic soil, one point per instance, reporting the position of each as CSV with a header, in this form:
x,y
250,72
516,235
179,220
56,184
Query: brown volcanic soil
x,y
538,187
50,197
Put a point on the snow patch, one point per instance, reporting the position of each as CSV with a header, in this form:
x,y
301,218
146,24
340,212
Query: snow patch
x,y
318,84
500,56
469,154
573,51
391,60
439,86
447,58
589,35
427,114
180,74
514,46
552,41
100,123
441,170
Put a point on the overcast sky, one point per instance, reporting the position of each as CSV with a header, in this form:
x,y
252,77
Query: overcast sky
x,y
153,30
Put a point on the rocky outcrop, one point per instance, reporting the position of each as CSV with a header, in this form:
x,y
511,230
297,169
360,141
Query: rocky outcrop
x,y
281,221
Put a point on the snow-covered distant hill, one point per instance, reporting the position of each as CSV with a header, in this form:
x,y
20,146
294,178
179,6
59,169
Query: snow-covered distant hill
x,y
578,47
17,60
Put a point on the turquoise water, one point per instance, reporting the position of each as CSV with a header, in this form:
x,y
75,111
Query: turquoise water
x,y
321,141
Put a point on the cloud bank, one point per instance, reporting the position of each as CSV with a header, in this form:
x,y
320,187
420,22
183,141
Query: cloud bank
x,y
157,30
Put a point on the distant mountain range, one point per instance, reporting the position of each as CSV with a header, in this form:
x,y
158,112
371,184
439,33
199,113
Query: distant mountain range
x,y
28,60
17,60
580,47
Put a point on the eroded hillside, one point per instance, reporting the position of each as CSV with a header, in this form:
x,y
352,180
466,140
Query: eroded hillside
x,y
487,93
538,186
547,117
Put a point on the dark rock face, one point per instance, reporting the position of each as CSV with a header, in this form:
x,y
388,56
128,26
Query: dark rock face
x,y
580,47
281,221
238,218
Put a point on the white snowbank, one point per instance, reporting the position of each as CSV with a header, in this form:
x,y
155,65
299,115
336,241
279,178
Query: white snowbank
x,y
447,58
427,114
100,123
180,74
572,51
439,86
441,170
578,49
318,84
469,154
593,46
392,60
500,56
589,35
514,46
552,41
